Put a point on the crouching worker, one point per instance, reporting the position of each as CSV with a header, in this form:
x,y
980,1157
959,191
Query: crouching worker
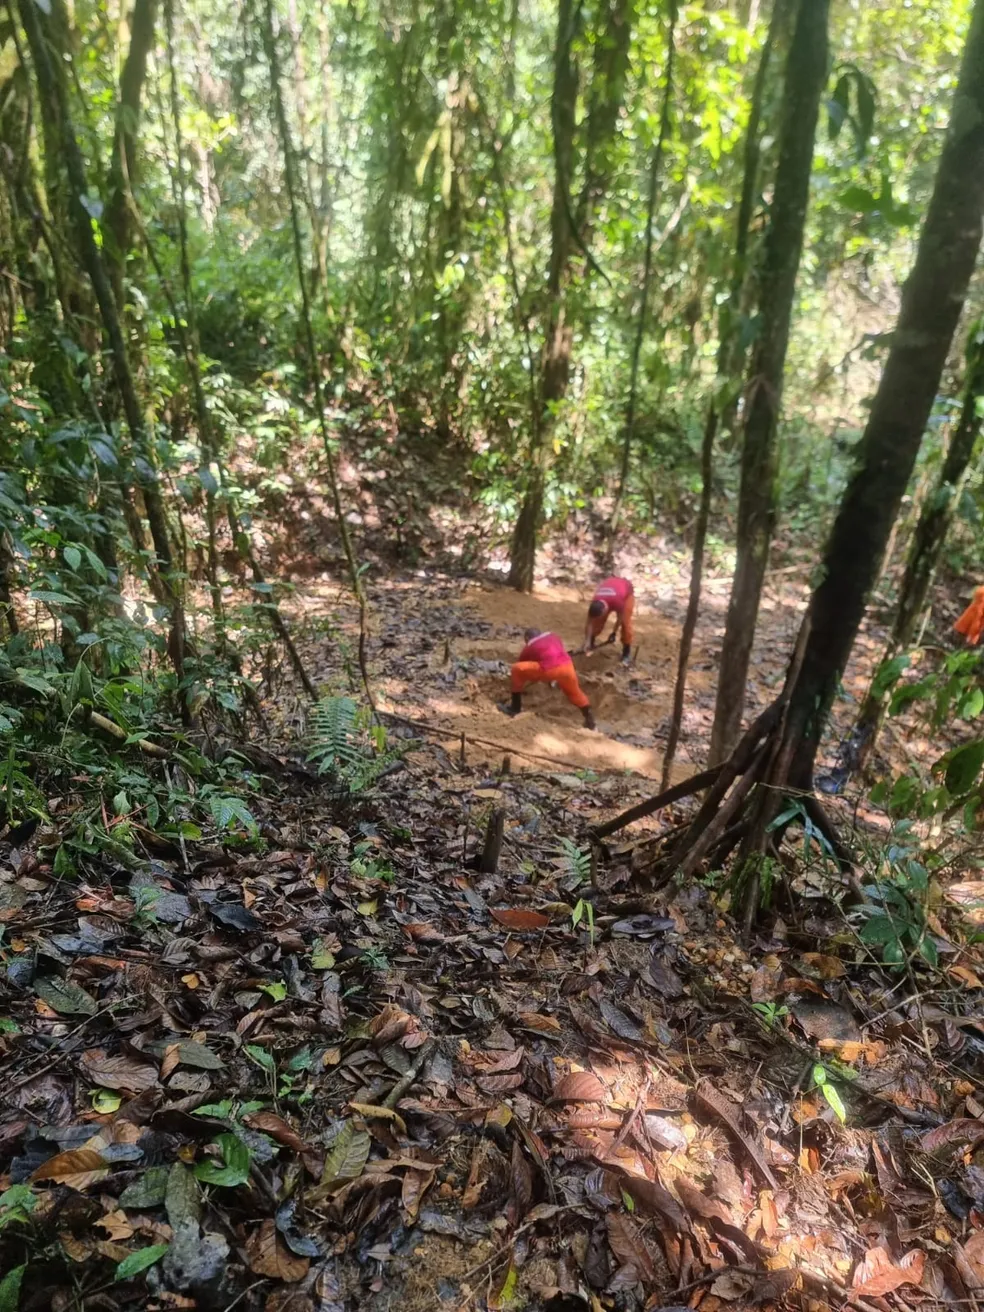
x,y
545,659
971,622
612,597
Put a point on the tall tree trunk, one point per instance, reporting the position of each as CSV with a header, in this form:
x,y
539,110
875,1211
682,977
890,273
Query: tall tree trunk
x,y
555,364
53,92
567,231
932,302
806,76
927,545
728,363
731,352
123,166
300,266
655,171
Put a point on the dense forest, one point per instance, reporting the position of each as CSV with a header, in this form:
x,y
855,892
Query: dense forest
x,y
349,351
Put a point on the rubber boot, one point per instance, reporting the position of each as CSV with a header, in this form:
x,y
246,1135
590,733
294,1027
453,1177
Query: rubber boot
x,y
589,720
515,705
626,653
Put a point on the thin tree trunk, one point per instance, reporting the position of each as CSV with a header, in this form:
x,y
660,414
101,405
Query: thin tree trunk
x,y
932,302
51,85
124,162
209,451
727,366
731,353
605,98
927,543
693,603
290,180
655,171
806,75
555,365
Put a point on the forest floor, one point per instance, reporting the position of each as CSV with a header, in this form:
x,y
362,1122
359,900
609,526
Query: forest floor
x,y
347,1070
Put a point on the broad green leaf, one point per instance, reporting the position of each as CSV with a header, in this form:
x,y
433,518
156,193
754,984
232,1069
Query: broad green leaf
x,y
10,1288
262,1056
830,1092
73,558
140,1261
963,767
277,990
149,1191
182,1198
234,1172
66,998
347,1156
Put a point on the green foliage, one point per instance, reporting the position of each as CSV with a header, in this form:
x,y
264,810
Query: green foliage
x,y
344,742
139,1261
894,924
234,1170
577,861
822,1081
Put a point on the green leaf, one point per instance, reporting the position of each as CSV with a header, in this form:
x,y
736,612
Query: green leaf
x,y
348,1155
50,598
833,1097
73,558
182,1198
277,990
929,951
66,998
235,1172
879,929
10,1287
819,1075
963,766
105,1101
149,1191
261,1056
889,673
140,1261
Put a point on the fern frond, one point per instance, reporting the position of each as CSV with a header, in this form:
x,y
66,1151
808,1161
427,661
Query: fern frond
x,y
332,734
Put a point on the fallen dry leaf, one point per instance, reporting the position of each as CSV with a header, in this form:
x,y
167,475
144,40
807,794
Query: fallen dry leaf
x,y
824,966
268,1255
519,919
579,1086
125,1073
628,1246
79,1168
277,1128
876,1274
963,1130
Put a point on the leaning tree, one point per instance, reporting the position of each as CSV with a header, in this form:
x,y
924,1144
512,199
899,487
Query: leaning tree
x,y
775,757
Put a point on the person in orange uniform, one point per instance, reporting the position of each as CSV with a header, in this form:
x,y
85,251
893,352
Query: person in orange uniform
x,y
616,597
545,659
971,622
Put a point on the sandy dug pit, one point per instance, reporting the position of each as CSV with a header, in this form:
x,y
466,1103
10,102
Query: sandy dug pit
x,y
630,705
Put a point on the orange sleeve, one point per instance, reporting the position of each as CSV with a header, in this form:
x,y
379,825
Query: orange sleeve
x,y
971,622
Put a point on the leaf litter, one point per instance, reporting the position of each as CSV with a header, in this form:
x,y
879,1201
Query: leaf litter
x,y
323,1080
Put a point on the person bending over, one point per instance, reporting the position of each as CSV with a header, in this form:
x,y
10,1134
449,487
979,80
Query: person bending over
x,y
612,597
545,659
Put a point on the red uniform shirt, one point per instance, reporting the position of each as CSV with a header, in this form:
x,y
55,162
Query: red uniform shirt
x,y
547,650
614,593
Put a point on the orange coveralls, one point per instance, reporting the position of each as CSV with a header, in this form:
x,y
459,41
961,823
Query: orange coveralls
x,y
619,596
971,622
545,660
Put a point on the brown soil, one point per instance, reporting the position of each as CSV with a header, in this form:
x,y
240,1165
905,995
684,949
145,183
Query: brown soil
x,y
630,705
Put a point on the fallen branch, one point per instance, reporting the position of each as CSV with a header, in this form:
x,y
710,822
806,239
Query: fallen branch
x,y
686,788
114,731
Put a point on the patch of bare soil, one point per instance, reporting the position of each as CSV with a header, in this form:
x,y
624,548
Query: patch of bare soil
x,y
630,704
